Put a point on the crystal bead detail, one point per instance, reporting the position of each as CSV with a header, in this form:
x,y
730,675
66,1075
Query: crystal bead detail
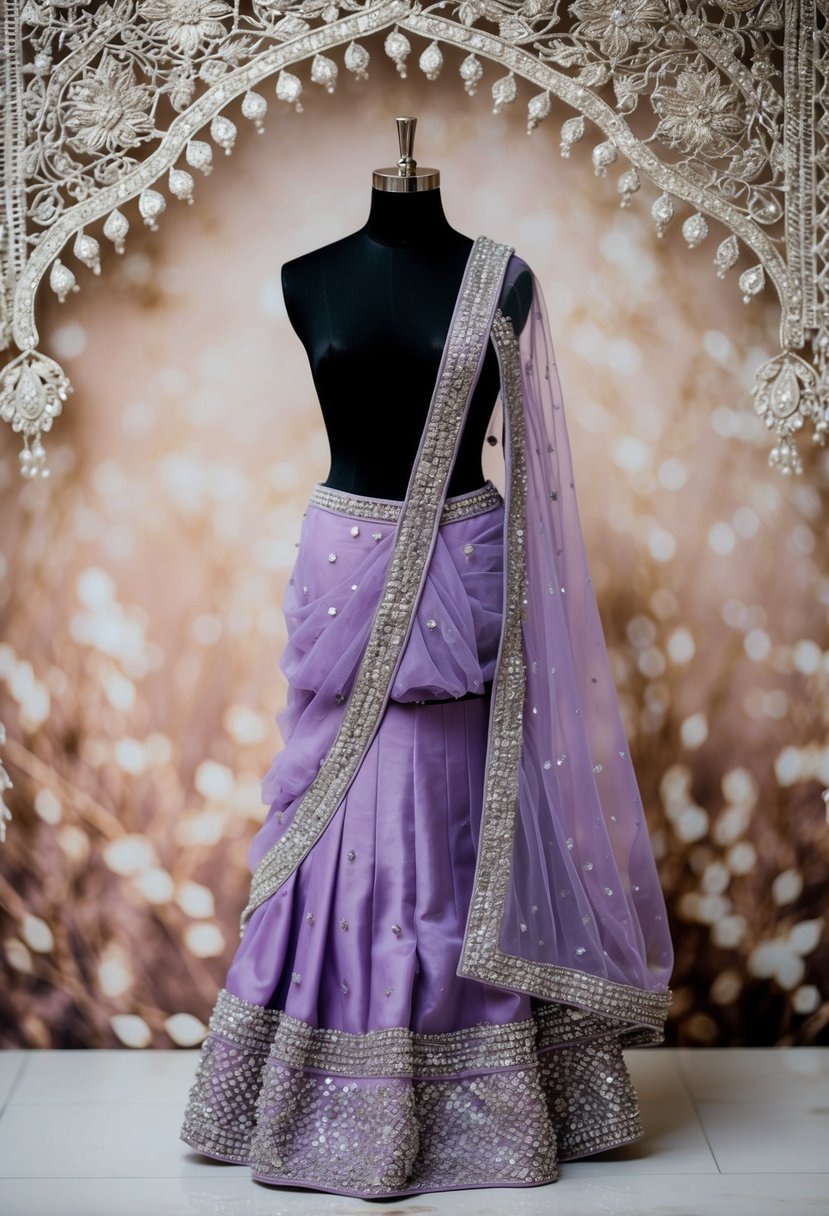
x,y
398,47
289,89
471,72
431,61
356,60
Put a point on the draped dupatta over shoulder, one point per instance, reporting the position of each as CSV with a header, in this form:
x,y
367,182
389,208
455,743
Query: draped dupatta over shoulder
x,y
566,904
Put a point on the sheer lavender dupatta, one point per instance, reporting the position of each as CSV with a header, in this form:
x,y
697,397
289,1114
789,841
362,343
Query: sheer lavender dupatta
x,y
567,903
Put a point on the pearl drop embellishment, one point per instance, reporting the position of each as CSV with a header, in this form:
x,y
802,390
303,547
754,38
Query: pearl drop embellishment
x,y
332,611
396,930
332,557
431,623
355,531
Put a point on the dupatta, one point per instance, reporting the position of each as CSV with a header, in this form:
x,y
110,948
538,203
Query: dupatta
x,y
566,902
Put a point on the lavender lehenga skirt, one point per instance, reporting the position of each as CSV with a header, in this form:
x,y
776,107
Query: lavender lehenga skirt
x,y
344,1052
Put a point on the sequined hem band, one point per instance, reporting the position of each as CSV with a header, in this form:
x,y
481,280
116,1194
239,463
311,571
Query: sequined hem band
x,y
461,506
395,1112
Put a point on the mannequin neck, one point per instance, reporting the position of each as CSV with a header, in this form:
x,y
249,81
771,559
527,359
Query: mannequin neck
x,y
408,220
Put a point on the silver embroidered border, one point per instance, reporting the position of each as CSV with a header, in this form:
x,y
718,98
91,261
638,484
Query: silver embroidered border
x,y
399,1051
460,506
414,540
481,956
267,1084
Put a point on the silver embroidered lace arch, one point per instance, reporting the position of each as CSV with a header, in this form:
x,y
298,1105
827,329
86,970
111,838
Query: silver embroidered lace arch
x,y
109,102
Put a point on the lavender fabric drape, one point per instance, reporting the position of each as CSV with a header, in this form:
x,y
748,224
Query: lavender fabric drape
x,y
583,892
400,851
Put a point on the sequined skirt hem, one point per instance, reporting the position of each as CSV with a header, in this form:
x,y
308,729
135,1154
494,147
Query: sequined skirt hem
x,y
394,1112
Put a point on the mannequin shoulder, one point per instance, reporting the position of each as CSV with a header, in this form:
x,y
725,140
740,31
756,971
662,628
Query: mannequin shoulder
x,y
326,269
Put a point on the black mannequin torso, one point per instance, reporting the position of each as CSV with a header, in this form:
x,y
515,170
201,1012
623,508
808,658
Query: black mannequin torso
x,y
372,311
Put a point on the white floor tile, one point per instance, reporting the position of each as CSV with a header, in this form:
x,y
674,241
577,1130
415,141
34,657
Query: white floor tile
x,y
790,1078
117,1075
96,1140
12,1065
221,1195
747,1138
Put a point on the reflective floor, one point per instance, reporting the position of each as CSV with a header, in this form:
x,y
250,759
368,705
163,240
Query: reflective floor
x,y
737,1132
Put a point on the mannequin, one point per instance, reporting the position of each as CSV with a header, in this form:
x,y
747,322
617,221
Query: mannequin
x,y
372,311
455,924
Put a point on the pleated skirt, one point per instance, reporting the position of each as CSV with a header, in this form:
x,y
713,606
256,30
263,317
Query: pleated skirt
x,y
344,1052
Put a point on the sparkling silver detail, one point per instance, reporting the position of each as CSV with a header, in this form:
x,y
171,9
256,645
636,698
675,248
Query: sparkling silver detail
x,y
461,506
273,1092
